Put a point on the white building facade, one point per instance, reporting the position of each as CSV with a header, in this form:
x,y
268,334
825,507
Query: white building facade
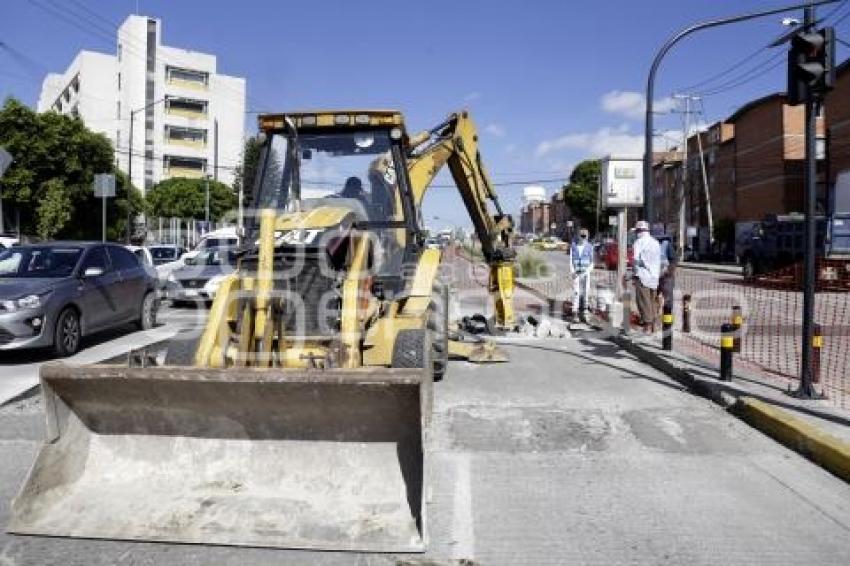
x,y
185,119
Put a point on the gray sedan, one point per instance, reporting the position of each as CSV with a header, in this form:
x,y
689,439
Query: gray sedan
x,y
51,295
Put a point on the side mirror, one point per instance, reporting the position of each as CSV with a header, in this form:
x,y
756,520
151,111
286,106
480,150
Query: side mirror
x,y
93,272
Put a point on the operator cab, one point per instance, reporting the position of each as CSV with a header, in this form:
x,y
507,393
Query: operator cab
x,y
348,168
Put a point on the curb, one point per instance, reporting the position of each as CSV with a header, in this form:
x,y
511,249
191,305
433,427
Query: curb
x,y
824,449
827,451
710,269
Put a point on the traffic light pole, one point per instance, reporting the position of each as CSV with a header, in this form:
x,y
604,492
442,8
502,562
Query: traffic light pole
x,y
807,390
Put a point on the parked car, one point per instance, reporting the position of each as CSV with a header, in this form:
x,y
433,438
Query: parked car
x,y
53,294
164,253
199,278
608,252
8,240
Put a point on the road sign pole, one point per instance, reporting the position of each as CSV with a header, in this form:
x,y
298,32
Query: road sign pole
x,y
103,205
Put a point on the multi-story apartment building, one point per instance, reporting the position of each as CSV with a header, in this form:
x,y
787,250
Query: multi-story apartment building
x,y
185,118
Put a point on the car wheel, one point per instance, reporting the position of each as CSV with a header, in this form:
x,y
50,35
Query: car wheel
x,y
67,334
147,314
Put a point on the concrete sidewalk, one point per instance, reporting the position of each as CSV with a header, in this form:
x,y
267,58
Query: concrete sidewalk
x,y
814,428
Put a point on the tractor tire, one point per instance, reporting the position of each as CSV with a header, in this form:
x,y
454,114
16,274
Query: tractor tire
x,y
409,348
438,324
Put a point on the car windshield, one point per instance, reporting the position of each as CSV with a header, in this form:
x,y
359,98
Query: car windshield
x,y
39,261
355,168
219,256
163,253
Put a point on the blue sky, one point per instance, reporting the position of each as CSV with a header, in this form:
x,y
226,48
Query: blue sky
x,y
548,83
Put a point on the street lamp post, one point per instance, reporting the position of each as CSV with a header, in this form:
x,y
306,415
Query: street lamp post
x,y
130,159
650,83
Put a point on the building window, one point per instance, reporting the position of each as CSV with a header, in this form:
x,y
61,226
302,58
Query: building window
x,y
186,136
118,110
187,107
75,84
119,81
186,77
174,166
120,49
67,95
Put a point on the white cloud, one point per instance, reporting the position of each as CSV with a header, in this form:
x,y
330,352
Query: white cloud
x,y
469,97
632,104
510,148
495,130
595,144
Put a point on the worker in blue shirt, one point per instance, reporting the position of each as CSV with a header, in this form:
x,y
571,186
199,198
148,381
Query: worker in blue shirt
x,y
581,264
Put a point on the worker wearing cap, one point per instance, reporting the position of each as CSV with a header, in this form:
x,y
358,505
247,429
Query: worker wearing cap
x,y
647,265
581,262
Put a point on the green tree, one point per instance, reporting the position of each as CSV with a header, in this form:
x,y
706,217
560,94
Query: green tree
x,y
54,209
186,198
247,170
55,160
582,192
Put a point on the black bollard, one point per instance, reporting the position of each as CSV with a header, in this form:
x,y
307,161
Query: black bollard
x,y
686,314
737,323
667,328
726,345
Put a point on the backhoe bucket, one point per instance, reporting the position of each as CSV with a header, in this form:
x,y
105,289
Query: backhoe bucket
x,y
325,459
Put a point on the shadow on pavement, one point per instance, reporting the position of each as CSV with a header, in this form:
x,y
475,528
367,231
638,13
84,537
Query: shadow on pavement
x,y
593,357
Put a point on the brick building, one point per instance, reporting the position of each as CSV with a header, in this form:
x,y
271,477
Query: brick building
x,y
535,218
666,183
560,214
837,108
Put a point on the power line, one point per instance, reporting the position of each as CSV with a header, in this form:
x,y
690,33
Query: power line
x,y
744,79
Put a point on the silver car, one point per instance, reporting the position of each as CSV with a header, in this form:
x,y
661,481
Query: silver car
x,y
51,295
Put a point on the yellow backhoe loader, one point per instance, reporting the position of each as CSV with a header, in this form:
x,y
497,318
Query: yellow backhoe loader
x,y
301,421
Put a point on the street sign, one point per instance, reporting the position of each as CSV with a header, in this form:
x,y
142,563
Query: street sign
x,y
104,185
5,160
622,181
692,231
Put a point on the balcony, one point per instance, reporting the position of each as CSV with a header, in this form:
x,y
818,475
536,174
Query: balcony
x,y
187,78
183,167
194,138
186,107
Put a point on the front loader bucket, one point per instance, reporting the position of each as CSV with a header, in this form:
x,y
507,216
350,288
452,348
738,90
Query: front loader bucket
x,y
319,459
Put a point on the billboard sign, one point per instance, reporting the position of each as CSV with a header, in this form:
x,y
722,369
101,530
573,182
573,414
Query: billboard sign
x,y
622,181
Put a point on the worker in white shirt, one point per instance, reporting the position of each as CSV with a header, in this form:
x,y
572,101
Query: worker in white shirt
x,y
581,263
647,265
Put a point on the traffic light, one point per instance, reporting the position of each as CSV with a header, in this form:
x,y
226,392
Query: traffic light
x,y
811,65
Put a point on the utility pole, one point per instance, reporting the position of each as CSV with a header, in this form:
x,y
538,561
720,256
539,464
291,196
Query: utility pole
x,y
207,207
707,191
215,149
684,177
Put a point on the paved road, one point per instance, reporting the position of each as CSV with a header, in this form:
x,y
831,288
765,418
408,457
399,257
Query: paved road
x,y
571,453
19,369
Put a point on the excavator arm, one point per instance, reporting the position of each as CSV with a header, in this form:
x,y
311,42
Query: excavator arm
x,y
455,143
